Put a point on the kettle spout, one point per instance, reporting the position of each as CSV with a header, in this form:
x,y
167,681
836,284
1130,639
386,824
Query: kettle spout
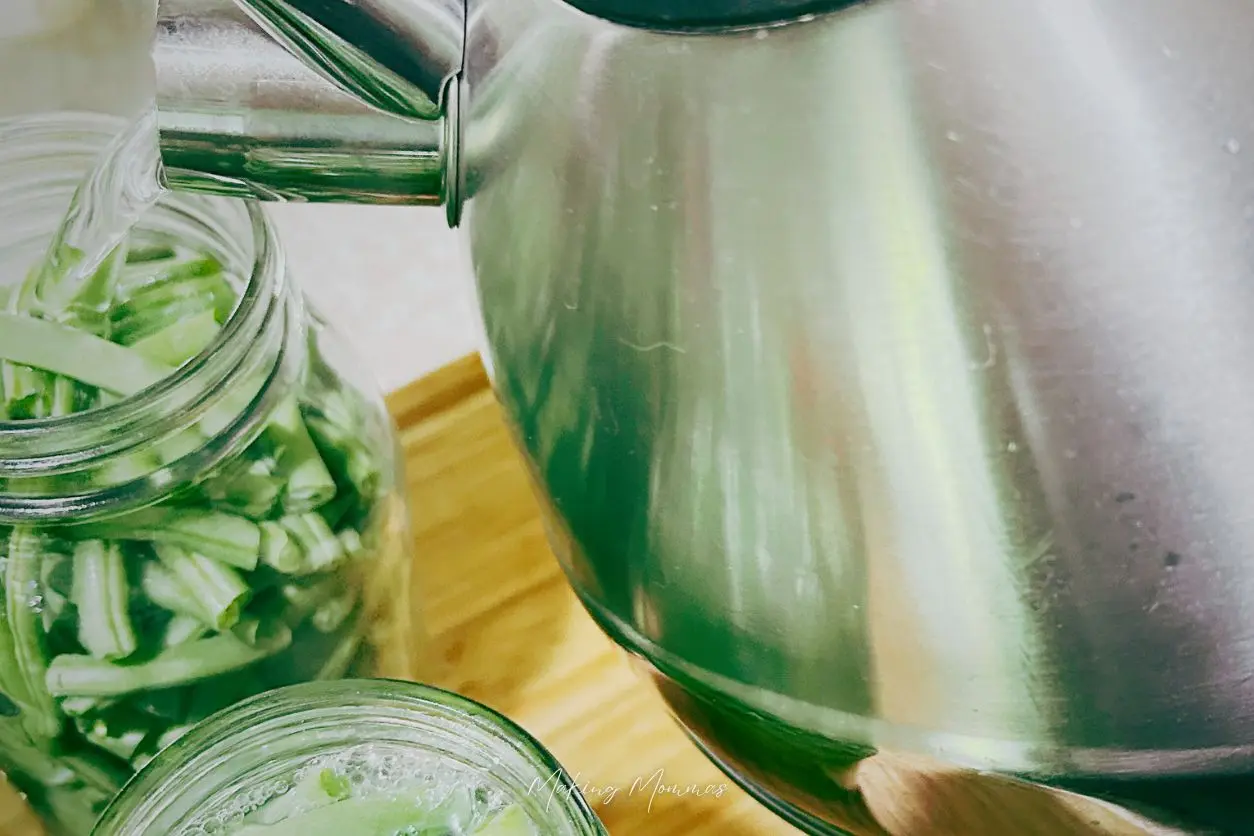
x,y
396,55
263,99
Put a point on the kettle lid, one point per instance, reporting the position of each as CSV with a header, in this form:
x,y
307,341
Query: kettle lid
x,y
705,14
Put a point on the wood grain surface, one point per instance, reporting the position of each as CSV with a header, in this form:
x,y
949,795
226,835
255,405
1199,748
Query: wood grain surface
x,y
505,629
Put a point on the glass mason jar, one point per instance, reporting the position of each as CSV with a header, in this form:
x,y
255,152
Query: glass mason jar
x,y
289,755
200,496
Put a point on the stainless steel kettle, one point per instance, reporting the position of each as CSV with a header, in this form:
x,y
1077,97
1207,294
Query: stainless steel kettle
x,y
886,369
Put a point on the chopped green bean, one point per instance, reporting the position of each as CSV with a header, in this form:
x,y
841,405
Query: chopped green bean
x,y
308,483
18,753
101,596
254,631
303,600
279,550
146,254
333,613
121,734
171,301
249,488
75,354
220,591
146,272
165,590
21,585
320,549
179,341
233,540
63,398
182,629
86,676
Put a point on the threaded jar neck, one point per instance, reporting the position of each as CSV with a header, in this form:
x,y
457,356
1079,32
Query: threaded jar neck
x,y
145,446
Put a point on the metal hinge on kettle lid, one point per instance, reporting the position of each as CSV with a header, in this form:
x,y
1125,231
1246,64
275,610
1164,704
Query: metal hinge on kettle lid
x,y
706,14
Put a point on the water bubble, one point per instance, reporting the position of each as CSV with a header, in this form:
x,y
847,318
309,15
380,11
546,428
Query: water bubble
x,y
371,769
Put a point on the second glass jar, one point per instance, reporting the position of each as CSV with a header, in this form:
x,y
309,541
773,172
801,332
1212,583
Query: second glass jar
x,y
200,492
364,757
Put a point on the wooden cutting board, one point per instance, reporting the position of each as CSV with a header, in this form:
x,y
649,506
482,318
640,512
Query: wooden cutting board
x,y
506,630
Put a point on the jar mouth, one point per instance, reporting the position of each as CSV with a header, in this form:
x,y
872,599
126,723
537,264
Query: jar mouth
x,y
300,722
39,447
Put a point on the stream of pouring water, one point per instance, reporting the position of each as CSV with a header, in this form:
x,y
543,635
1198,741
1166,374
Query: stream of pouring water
x,y
124,184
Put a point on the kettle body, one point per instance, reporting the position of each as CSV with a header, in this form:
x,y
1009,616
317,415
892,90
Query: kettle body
x,y
887,376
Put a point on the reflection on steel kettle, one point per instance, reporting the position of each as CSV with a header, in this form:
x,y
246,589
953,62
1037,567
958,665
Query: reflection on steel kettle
x,y
886,369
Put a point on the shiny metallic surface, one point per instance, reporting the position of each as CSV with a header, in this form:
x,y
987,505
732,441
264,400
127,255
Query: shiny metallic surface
x,y
924,329
887,378
397,55
240,115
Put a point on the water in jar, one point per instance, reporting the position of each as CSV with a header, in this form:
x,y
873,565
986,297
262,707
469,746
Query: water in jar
x,y
369,790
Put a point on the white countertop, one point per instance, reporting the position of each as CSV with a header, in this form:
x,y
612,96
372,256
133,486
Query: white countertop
x,y
396,281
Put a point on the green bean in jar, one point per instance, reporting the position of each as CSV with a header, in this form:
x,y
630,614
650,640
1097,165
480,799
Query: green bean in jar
x,y
199,492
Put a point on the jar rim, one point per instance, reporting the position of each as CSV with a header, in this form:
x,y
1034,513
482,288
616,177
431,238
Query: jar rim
x,y
37,447
265,722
